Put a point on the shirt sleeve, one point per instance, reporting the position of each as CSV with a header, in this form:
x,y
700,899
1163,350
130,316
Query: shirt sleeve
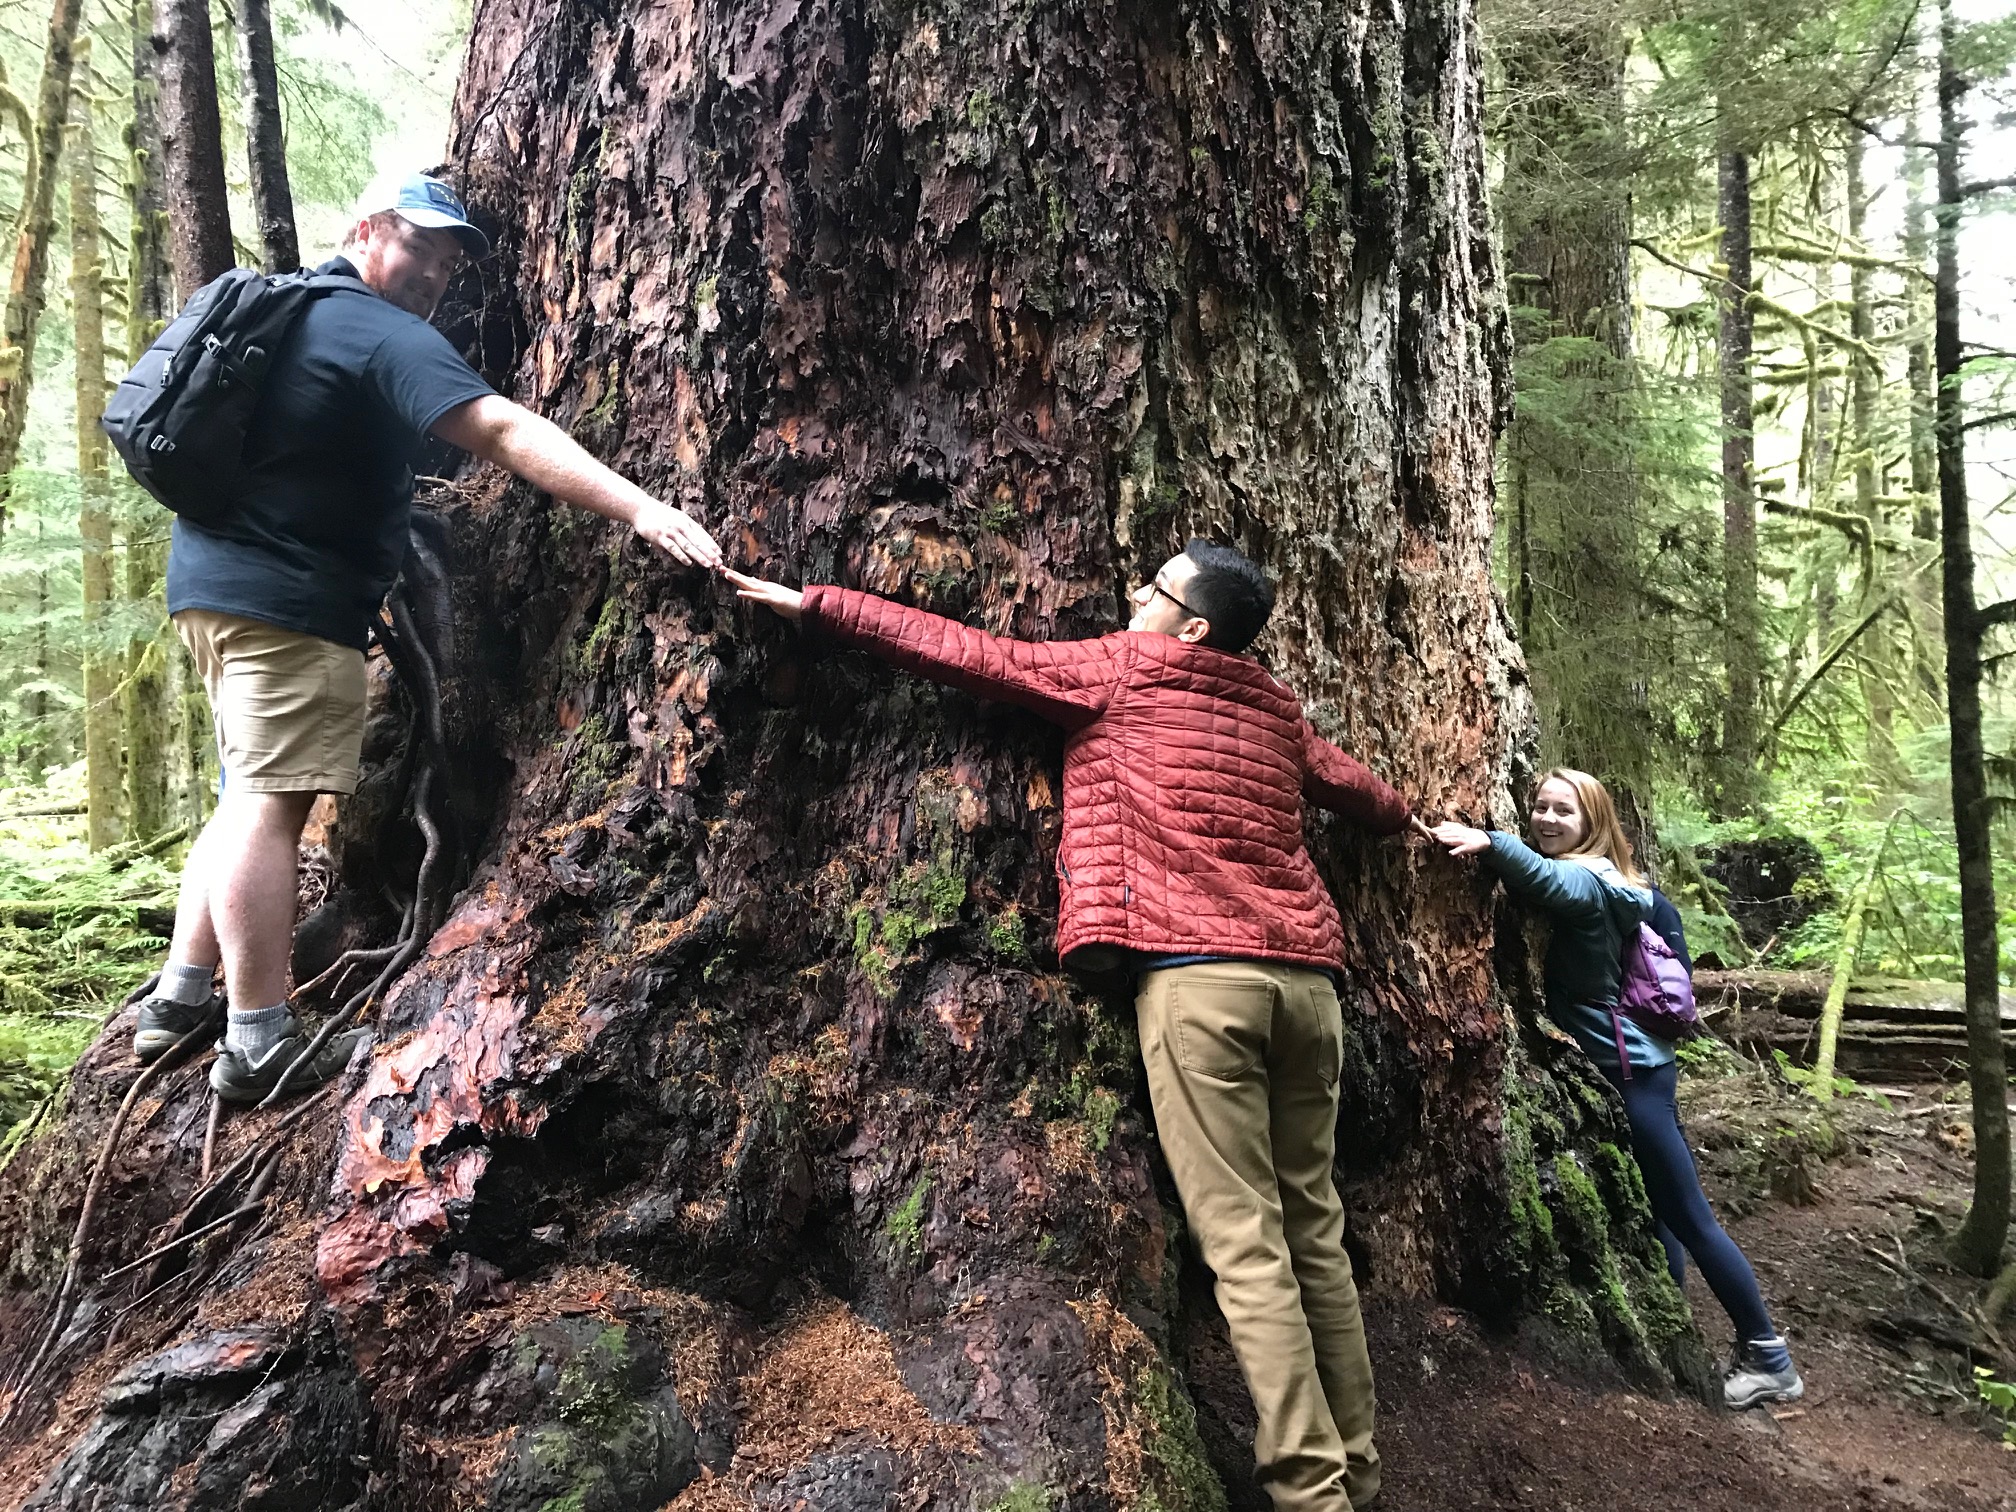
x,y
1067,682
1338,781
419,377
1564,887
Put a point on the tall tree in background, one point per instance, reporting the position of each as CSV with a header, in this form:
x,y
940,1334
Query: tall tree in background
x,y
102,662
1978,1246
265,139
148,718
1743,656
27,285
199,247
1569,458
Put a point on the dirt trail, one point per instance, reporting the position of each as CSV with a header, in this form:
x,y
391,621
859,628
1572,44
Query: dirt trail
x,y
1876,1318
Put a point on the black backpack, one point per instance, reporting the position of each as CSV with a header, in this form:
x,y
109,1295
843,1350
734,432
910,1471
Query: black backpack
x,y
178,420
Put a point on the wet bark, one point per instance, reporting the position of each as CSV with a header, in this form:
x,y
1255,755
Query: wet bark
x,y
1978,1245
1742,650
738,1138
266,139
145,712
28,284
94,510
192,140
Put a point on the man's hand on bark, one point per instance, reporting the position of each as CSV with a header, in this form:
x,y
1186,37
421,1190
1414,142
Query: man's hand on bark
x,y
788,602
675,532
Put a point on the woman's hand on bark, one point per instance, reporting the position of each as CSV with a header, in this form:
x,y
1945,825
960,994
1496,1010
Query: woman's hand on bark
x,y
1461,839
788,602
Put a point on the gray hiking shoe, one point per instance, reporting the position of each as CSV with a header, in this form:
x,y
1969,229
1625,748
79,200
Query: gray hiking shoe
x,y
240,1078
163,1021
1755,1376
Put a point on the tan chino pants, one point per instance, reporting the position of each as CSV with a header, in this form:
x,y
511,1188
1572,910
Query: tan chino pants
x,y
1242,1064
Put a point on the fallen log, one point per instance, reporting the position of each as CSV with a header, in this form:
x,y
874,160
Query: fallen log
x,y
40,913
1891,1027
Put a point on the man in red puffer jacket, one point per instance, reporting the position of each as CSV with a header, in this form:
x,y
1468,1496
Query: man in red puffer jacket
x,y
1182,861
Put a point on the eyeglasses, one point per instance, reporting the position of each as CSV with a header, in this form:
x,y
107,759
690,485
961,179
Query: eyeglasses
x,y
1155,586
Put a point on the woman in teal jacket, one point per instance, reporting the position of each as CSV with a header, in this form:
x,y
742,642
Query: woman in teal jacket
x,y
1579,871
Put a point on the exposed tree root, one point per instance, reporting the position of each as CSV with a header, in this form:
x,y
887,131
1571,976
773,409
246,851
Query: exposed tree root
x,y
73,1264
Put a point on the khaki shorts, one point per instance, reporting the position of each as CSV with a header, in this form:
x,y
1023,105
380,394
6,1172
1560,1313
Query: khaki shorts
x,y
289,707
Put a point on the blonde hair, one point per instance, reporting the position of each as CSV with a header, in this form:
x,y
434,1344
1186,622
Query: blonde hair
x,y
1602,835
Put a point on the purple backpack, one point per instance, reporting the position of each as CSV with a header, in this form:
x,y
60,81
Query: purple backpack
x,y
1657,992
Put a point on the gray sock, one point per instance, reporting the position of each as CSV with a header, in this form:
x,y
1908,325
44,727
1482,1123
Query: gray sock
x,y
182,983
255,1032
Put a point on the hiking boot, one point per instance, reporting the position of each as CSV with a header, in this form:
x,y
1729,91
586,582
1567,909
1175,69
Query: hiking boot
x,y
1761,1370
237,1077
163,1021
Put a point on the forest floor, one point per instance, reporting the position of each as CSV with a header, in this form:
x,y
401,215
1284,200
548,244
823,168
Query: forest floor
x,y
1879,1324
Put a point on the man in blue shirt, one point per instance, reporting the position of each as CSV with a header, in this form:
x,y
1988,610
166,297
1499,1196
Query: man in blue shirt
x,y
274,602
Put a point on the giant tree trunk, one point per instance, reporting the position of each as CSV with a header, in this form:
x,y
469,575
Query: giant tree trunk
x,y
738,1131
28,284
192,139
145,713
1978,1245
1741,634
94,508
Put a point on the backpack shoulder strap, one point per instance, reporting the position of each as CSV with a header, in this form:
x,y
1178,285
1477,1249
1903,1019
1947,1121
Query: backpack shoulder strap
x,y
329,283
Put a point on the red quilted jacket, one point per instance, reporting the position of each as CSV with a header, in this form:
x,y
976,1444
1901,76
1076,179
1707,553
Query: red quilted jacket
x,y
1184,775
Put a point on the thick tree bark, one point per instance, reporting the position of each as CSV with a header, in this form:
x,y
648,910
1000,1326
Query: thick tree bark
x,y
28,284
1978,1245
94,509
739,1116
145,714
1742,649
192,140
266,139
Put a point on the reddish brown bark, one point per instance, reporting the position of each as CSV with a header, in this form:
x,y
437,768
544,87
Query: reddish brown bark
x,y
738,1132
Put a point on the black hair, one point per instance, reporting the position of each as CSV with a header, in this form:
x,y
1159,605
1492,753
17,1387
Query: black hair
x,y
1229,591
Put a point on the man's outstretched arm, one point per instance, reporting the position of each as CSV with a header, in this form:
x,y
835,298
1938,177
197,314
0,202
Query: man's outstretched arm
x,y
1064,681
545,456
1345,785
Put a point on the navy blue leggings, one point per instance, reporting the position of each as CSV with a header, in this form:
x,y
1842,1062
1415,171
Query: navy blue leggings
x,y
1687,1224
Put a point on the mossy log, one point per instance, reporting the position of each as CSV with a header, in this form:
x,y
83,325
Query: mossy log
x,y
1891,1027
737,1140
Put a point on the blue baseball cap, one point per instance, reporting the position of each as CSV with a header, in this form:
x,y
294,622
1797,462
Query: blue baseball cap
x,y
428,203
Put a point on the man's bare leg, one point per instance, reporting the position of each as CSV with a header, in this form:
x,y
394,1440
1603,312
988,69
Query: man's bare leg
x,y
182,999
253,857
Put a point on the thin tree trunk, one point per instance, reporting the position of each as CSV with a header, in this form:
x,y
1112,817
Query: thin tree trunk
x,y
1742,651
1930,640
265,139
1866,380
94,511
1844,967
1977,1248
27,286
193,145
145,712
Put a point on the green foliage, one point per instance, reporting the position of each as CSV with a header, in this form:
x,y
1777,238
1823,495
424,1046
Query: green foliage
x,y
905,1225
1999,1397
1023,1496
58,984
